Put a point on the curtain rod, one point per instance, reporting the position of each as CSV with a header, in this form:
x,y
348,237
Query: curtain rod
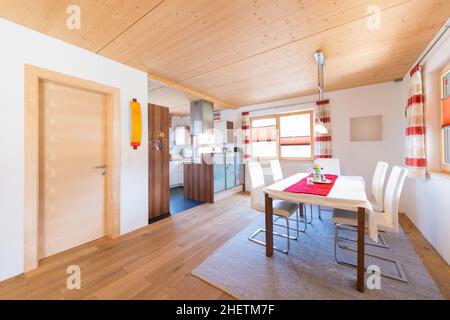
x,y
433,44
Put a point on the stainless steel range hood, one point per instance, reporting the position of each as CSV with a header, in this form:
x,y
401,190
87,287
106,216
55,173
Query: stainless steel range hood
x,y
202,117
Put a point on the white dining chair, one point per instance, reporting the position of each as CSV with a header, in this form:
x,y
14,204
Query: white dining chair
x,y
329,166
378,178
386,220
277,174
283,209
376,201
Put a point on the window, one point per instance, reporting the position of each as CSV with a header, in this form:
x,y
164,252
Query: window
x,y
264,137
445,119
283,136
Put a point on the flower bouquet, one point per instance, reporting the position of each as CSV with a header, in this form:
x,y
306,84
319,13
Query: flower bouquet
x,y
158,140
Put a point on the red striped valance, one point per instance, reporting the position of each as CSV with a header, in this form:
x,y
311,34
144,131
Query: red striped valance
x,y
418,98
264,134
245,113
414,131
295,141
416,162
323,138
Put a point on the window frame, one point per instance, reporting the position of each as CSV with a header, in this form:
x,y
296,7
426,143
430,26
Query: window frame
x,y
444,167
277,117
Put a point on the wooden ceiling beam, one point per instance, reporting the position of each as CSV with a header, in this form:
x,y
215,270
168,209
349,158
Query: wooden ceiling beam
x,y
194,92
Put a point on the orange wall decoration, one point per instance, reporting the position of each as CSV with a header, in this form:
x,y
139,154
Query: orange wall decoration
x,y
136,124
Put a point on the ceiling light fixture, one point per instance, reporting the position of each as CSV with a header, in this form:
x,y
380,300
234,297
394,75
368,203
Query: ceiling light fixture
x,y
320,60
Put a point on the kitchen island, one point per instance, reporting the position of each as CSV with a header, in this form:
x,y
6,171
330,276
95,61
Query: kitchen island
x,y
199,181
216,174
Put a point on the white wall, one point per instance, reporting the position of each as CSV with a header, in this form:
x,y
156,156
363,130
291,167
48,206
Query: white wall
x,y
357,158
232,115
427,200
23,46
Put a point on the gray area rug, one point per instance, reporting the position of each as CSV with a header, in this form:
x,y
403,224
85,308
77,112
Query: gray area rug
x,y
241,268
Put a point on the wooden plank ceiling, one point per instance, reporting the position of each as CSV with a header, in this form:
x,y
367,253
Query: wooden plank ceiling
x,y
176,99
242,52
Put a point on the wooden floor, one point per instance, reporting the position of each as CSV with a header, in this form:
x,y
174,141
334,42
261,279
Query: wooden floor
x,y
436,266
155,262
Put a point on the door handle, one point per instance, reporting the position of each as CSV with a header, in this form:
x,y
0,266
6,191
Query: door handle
x,y
100,167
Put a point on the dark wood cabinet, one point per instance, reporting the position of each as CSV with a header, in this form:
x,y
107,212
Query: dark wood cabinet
x,y
158,162
199,181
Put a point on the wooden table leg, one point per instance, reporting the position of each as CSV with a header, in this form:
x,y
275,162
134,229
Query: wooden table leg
x,y
361,238
269,225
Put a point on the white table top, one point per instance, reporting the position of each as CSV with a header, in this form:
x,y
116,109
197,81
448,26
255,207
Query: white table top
x,y
348,193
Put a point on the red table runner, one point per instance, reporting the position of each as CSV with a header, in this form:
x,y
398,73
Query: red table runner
x,y
320,189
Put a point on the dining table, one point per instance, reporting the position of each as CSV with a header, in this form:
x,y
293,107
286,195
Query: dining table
x,y
346,192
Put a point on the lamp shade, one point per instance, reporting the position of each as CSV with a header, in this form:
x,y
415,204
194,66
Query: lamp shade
x,y
445,109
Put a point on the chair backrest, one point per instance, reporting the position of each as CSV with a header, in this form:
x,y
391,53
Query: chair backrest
x,y
329,165
378,183
392,196
256,174
277,173
257,184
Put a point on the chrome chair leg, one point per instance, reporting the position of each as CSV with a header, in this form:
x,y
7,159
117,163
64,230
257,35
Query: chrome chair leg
x,y
297,221
252,238
288,237
382,240
401,277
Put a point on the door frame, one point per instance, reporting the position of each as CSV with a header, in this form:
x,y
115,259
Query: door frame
x,y
33,76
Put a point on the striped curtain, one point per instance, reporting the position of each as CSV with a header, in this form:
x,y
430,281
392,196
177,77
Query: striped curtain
x,y
246,132
415,158
216,116
322,143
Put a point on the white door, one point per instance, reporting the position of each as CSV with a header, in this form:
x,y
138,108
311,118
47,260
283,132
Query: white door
x,y
72,159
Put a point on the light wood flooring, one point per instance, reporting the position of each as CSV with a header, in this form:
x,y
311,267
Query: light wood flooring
x,y
155,262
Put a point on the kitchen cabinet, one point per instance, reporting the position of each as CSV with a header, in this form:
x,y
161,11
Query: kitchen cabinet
x,y
239,169
158,163
176,173
230,171
182,136
223,133
219,172
198,181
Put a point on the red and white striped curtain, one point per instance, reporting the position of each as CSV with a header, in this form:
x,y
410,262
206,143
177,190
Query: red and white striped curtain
x,y
322,143
246,132
415,158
